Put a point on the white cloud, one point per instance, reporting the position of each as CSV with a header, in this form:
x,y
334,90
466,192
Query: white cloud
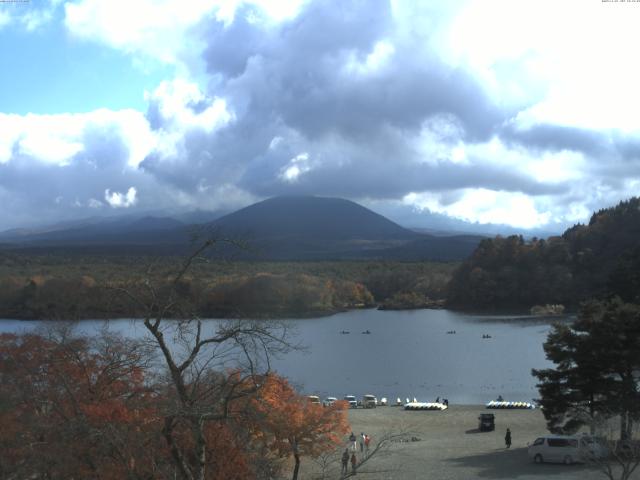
x,y
297,166
5,18
152,28
49,138
183,105
93,203
571,59
486,206
34,19
121,200
57,138
29,16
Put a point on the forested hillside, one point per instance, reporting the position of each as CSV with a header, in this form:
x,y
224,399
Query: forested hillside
x,y
596,260
77,287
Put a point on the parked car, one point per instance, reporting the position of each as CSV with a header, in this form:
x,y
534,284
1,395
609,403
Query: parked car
x,y
486,422
329,401
314,399
567,449
369,401
351,400
384,402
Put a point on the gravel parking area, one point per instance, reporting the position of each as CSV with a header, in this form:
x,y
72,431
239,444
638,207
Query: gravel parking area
x,y
451,447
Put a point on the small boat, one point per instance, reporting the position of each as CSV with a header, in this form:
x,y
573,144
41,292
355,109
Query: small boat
x,y
345,332
366,332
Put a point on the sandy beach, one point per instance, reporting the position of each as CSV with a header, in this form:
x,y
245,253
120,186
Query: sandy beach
x,y
451,447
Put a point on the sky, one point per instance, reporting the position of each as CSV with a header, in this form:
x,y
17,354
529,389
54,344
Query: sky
x,y
514,112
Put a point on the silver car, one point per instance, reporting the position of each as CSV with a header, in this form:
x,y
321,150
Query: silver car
x,y
566,449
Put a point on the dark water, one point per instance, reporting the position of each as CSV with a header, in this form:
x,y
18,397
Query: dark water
x,y
407,354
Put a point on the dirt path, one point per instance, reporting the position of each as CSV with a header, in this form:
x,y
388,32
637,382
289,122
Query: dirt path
x,y
450,446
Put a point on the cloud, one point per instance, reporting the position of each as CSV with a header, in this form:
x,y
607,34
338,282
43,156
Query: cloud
x,y
5,18
30,17
362,105
120,200
64,166
372,111
417,103
155,29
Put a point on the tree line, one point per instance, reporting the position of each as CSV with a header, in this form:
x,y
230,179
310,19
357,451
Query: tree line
x,y
82,287
597,260
190,400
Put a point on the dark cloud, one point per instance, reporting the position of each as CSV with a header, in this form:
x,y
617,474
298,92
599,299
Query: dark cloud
x,y
36,192
307,84
558,138
342,100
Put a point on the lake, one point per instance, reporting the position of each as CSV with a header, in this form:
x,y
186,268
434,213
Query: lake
x,y
407,354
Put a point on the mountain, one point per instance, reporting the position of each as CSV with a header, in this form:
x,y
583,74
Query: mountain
x,y
311,218
597,260
280,228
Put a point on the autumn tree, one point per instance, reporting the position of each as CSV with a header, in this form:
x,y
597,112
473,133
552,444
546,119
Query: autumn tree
x,y
71,407
211,367
288,425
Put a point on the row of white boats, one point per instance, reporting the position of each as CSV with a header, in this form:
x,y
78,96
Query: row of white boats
x,y
510,405
492,404
425,406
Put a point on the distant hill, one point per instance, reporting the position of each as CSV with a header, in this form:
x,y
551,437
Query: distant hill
x,y
597,260
317,228
108,231
280,228
312,218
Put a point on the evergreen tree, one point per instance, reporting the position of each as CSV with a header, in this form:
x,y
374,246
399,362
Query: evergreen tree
x,y
597,368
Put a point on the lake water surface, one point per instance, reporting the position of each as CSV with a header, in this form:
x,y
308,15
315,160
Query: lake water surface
x,y
407,354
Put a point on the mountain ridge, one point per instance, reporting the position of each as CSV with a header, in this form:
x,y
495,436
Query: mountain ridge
x,y
279,228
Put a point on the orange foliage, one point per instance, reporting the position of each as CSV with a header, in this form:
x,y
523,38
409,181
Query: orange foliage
x,y
286,420
73,409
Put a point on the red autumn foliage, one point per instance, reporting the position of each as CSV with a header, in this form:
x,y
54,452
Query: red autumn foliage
x,y
74,408
73,411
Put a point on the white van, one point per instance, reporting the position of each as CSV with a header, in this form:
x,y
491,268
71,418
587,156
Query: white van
x,y
369,401
566,449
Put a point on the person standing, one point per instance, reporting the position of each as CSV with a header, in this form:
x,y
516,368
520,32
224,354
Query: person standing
x,y
507,438
362,437
345,462
352,439
367,441
353,463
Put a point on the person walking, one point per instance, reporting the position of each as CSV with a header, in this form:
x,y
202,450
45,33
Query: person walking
x,y
345,462
352,439
362,437
353,463
367,441
507,438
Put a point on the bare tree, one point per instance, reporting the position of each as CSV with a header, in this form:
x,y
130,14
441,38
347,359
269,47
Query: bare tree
x,y
211,366
328,463
617,459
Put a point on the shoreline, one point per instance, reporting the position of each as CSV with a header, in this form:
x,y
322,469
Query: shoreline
x,y
515,315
